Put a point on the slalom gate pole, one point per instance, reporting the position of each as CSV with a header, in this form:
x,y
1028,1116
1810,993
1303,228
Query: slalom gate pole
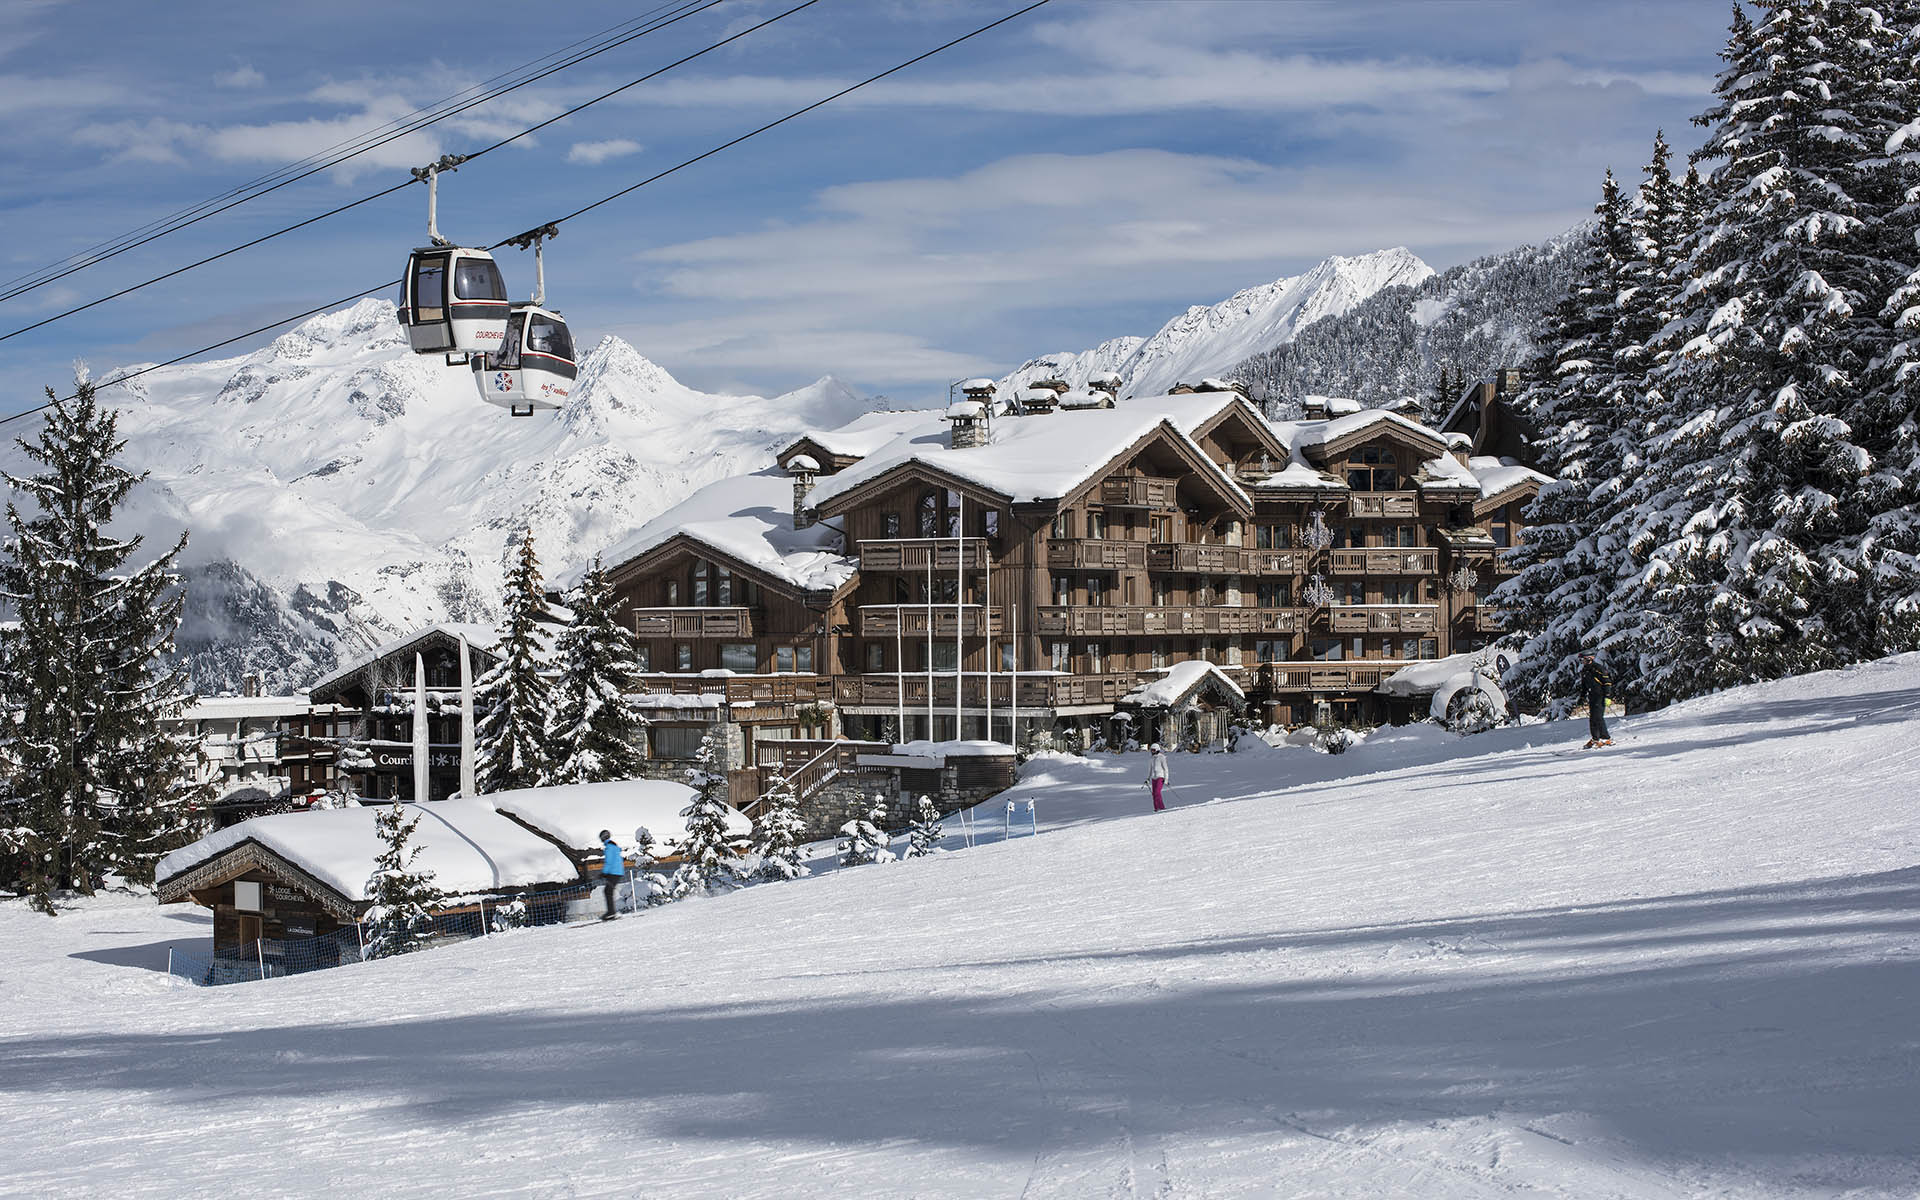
x,y
260,955
1009,828
1033,820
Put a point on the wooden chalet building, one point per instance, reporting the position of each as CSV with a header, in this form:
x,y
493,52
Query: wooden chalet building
x,y
358,732
993,569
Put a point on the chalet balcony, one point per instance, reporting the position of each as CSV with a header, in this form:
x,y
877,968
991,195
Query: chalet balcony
x,y
913,554
1036,691
1401,561
1317,676
1383,618
1272,562
914,620
1482,619
1150,621
1383,504
744,689
733,622
1131,492
1087,554
1194,558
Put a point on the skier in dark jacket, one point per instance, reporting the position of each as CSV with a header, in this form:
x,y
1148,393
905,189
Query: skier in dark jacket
x,y
1595,681
613,868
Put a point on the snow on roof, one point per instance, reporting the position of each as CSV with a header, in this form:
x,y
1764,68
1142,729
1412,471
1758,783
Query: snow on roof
x,y
1319,433
227,708
679,700
466,844
1105,380
1212,384
1045,395
1496,475
1444,471
574,814
967,749
1079,399
868,432
1180,680
977,385
1024,461
748,518
479,637
803,462
965,409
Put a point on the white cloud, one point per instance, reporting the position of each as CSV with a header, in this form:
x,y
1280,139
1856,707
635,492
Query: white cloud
x,y
242,76
595,153
153,141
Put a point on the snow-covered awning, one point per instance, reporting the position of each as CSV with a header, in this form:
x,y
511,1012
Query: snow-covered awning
x,y
1182,681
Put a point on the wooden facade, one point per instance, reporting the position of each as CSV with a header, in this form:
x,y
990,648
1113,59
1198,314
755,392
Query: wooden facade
x,y
968,609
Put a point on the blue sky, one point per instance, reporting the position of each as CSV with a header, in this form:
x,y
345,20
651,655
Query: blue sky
x,y
1083,173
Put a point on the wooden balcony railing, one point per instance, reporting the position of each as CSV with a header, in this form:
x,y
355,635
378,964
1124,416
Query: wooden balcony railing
x,y
1036,691
1401,561
1272,562
1483,619
1193,558
693,622
912,554
1149,621
908,620
1323,676
1130,492
1383,504
1385,618
1085,554
745,689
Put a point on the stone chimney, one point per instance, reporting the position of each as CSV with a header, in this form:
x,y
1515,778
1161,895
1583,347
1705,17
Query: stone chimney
x,y
251,683
1316,408
802,468
966,424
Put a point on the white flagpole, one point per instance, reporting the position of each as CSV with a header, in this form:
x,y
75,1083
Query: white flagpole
x,y
468,788
420,743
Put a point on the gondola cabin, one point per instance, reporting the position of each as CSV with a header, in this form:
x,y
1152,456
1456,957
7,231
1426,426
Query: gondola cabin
x,y
534,367
455,302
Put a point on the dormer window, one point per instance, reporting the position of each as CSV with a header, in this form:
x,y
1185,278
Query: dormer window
x,y
1372,469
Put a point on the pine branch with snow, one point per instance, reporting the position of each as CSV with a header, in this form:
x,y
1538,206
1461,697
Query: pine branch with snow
x,y
708,863
595,730
923,836
398,921
777,834
514,697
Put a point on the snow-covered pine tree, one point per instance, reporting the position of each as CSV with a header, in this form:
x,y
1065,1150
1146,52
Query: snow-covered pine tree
x,y
862,840
596,730
923,836
707,862
1575,403
653,889
777,834
92,775
511,735
1746,531
398,922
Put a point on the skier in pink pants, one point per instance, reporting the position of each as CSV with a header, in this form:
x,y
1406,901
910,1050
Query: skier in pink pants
x,y
1157,777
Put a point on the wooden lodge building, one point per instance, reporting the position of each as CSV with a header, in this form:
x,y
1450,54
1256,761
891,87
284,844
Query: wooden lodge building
x,y
1001,568
357,732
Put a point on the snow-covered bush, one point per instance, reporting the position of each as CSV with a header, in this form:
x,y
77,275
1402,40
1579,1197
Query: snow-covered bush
x,y
861,839
1337,739
777,835
924,834
512,915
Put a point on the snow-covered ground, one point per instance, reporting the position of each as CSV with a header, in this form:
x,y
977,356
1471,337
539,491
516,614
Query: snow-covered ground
x,y
1686,966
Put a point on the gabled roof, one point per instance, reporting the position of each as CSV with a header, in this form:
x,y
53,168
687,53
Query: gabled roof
x,y
483,638
747,519
867,433
1036,458
1321,441
1183,680
1502,479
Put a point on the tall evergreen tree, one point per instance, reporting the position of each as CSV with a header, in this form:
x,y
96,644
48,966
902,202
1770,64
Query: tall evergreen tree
x,y
99,786
1575,401
398,922
1746,533
511,736
596,729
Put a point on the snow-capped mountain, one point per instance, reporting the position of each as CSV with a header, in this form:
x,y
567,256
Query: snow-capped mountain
x,y
1210,340
340,488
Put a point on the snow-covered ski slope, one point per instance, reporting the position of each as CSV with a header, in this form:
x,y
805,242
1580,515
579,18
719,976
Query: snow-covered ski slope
x,y
1686,966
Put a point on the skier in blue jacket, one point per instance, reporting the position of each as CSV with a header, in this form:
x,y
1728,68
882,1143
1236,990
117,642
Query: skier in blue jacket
x,y
613,868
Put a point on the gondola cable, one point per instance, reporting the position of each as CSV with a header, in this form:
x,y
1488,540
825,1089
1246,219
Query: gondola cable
x,y
333,212
334,304
371,140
